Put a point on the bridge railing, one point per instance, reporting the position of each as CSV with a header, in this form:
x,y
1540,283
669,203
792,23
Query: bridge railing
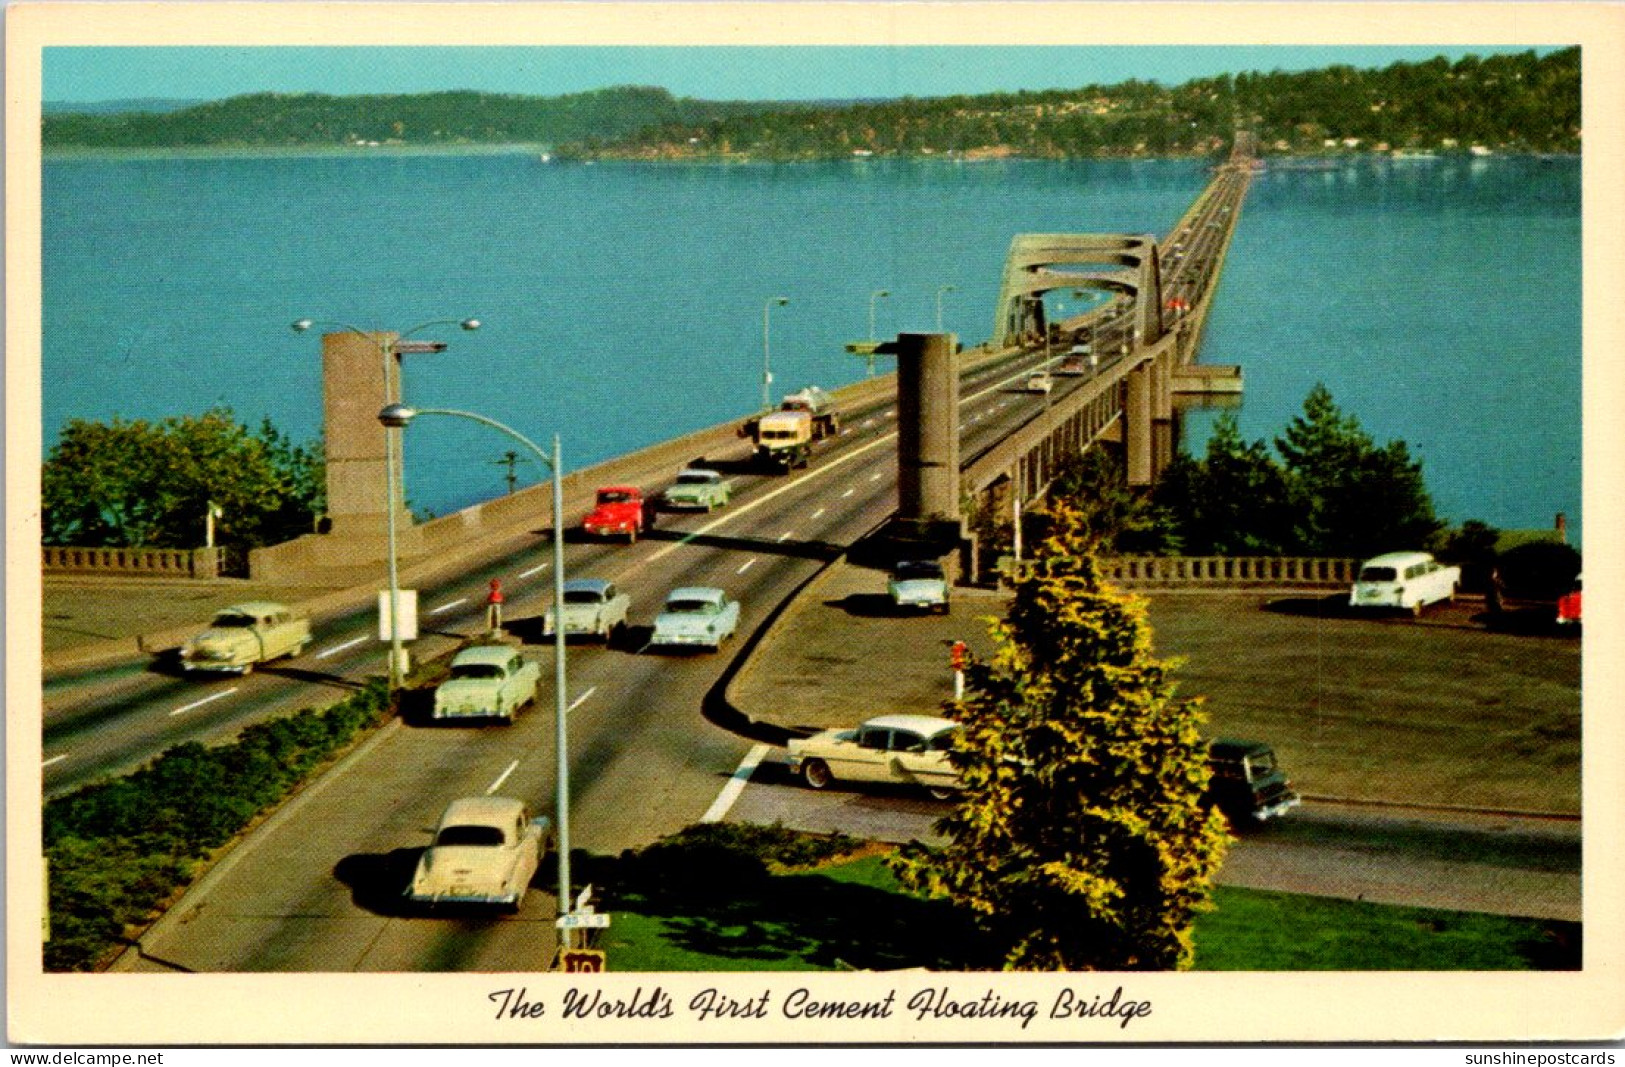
x,y
1214,572
141,562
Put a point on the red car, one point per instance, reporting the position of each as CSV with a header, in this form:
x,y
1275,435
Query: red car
x,y
1568,606
620,512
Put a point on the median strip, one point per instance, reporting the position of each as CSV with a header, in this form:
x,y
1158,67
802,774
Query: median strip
x,y
736,785
206,700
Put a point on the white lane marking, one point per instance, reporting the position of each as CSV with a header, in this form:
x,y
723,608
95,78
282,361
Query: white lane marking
x,y
533,570
848,493
736,785
786,535
867,423
749,563
448,607
819,512
336,649
54,759
890,412
580,700
877,475
206,700
503,777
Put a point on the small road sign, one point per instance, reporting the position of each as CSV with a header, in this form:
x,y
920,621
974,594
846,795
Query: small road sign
x,y
583,921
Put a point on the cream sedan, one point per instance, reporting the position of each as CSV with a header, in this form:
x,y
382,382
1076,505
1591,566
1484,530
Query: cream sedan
x,y
902,749
485,851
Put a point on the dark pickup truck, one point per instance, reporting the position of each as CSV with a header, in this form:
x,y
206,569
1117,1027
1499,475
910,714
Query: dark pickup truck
x,y
1248,784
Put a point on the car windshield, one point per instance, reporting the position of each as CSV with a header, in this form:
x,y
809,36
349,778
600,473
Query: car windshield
x,y
1261,762
692,607
479,836
232,619
1378,574
476,670
906,571
614,497
582,596
694,479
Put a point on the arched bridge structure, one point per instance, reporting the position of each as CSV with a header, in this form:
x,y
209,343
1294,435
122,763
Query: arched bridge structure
x,y
1141,351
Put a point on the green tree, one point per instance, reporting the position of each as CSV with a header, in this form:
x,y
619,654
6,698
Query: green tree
x,y
140,484
1096,486
1235,502
1081,841
1353,498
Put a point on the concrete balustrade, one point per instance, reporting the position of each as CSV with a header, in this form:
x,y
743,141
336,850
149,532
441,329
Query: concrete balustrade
x,y
145,562
1304,572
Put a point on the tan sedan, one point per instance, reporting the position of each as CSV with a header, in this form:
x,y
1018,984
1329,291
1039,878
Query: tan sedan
x,y
486,851
901,749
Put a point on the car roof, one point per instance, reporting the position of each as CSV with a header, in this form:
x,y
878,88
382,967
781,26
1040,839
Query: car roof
x,y
700,471
1397,559
921,724
696,592
619,489
1230,746
497,654
253,607
482,811
588,585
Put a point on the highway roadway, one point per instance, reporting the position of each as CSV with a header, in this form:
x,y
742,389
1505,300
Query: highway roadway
x,y
317,888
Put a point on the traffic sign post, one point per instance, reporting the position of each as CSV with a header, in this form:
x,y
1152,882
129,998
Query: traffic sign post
x,y
581,961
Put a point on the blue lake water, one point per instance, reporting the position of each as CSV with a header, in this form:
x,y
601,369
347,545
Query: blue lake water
x,y
623,303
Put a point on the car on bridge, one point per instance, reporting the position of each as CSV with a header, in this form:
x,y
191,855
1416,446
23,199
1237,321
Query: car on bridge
x,y
486,682
897,749
592,607
243,635
696,616
486,850
1038,382
698,488
619,511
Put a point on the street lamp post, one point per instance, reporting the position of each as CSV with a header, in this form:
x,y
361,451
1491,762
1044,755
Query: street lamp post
x,y
391,351
398,416
943,289
876,295
767,360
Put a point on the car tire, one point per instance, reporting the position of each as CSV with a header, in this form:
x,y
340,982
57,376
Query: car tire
x,y
815,772
940,792
616,637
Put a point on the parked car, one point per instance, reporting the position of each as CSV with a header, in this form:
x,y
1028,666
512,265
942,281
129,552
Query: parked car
x,y
486,682
1247,783
486,851
620,511
245,634
696,488
1039,382
1568,606
592,606
1407,581
901,749
696,615
919,584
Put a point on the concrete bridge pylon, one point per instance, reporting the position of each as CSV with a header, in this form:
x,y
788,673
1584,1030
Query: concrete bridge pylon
x,y
1037,263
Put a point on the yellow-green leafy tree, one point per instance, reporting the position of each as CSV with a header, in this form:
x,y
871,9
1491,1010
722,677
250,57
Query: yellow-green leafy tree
x,y
1081,841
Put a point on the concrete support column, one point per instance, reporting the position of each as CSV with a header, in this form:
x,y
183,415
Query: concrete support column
x,y
1137,433
354,390
927,426
1162,416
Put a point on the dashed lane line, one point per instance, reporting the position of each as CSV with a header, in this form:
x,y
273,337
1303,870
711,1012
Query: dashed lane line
x,y
534,570
54,759
336,649
503,777
447,607
206,700
749,563
580,700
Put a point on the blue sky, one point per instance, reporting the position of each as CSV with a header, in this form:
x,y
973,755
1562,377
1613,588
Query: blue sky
x,y
83,75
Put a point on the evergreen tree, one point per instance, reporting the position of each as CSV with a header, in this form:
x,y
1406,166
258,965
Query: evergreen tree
x,y
1081,841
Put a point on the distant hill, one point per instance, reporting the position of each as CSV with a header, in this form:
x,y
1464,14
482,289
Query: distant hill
x,y
459,117
152,105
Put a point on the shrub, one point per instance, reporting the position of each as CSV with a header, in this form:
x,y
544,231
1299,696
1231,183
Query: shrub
x,y
1539,570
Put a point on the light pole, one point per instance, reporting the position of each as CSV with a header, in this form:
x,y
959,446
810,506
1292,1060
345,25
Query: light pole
x,y
943,289
398,416
767,360
391,351
876,295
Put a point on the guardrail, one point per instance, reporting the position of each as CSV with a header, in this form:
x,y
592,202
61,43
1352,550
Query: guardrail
x,y
1215,571
125,562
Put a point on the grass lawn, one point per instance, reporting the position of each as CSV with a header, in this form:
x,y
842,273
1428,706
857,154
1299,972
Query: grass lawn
x,y
854,915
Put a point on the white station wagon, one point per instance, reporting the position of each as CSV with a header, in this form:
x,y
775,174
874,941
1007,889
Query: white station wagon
x,y
486,851
1407,581
486,682
901,749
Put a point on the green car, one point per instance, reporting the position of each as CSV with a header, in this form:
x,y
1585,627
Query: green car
x,y
695,488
